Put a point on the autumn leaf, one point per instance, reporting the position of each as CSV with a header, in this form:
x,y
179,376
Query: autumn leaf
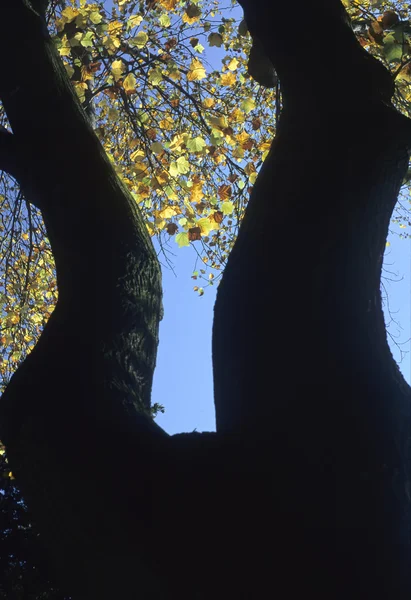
x,y
192,14
194,234
196,144
140,40
129,84
171,228
224,191
228,79
182,239
247,105
215,39
196,71
117,68
227,208
233,64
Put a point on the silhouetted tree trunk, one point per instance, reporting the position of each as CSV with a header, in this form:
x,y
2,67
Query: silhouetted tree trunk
x,y
304,490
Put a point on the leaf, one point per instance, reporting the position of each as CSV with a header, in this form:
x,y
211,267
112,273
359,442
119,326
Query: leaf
x,y
171,228
196,144
196,71
182,239
134,21
168,212
215,39
206,225
233,64
140,40
218,216
208,102
227,208
157,148
183,165
227,79
392,50
224,192
117,68
164,20
191,14
69,14
129,84
194,234
95,17
155,76
247,105
87,40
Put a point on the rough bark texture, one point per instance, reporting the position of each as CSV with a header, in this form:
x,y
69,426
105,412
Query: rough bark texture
x,y
304,490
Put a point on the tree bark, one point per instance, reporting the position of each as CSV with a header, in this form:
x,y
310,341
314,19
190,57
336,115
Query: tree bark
x,y
305,487
302,366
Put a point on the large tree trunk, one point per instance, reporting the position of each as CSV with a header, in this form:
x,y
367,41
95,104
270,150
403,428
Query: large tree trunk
x,y
305,488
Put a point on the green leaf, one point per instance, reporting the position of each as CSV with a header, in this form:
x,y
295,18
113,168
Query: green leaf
x,y
87,39
155,76
196,144
95,17
392,50
182,239
140,40
165,20
173,169
227,207
183,166
247,105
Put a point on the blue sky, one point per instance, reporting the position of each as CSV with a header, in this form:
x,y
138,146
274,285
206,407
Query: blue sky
x,y
183,378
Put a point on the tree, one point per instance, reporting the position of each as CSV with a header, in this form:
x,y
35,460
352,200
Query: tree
x,y
305,485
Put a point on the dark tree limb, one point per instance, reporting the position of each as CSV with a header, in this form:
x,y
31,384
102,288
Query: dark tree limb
x,y
301,361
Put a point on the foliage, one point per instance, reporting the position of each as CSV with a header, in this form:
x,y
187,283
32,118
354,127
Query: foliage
x,y
186,138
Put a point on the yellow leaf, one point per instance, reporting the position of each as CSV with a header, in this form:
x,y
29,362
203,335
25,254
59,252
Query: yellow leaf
x,y
69,14
168,212
168,4
208,102
174,74
140,40
196,71
233,64
182,239
218,122
237,116
206,225
227,79
227,208
166,123
65,48
134,21
115,28
197,192
129,84
117,68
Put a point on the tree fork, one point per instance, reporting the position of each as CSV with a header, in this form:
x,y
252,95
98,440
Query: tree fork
x,y
304,487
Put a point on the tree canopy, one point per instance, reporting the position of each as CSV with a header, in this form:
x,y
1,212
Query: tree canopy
x,y
187,138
